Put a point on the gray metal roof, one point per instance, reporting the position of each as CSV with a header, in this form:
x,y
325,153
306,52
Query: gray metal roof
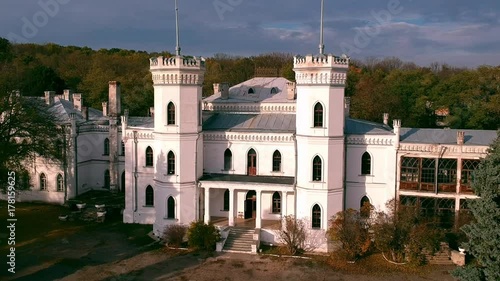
x,y
63,108
142,122
447,136
284,123
244,178
362,127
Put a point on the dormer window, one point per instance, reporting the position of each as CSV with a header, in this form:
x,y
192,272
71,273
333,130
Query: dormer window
x,y
274,91
251,91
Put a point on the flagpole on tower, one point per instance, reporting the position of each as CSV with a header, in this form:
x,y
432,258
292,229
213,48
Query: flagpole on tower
x,y
321,42
177,47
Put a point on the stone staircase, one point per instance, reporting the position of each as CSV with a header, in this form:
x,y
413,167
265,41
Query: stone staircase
x,y
442,257
239,240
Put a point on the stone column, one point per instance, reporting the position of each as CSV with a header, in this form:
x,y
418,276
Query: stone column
x,y
258,220
231,208
283,208
207,205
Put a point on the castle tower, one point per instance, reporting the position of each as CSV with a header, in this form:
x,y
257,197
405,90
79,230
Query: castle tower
x,y
320,136
177,85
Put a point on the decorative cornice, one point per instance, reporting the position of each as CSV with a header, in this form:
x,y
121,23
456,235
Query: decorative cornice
x,y
262,108
433,148
370,141
141,135
178,79
325,78
247,137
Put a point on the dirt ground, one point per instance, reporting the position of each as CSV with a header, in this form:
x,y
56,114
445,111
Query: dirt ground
x,y
113,251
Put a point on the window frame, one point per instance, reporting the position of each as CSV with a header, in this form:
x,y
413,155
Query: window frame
x,y
106,146
59,183
318,115
171,112
225,206
171,208
228,160
277,161
149,157
43,182
276,203
317,169
149,196
171,163
366,164
316,217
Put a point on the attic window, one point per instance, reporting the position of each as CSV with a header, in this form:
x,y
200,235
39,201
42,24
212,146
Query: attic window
x,y
274,91
251,91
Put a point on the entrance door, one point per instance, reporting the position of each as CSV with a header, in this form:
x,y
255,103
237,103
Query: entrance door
x,y
250,205
252,163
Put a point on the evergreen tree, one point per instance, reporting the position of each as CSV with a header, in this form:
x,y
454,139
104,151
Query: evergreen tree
x,y
484,233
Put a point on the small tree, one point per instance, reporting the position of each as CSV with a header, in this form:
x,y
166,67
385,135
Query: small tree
x,y
203,236
483,242
350,228
293,234
402,234
174,234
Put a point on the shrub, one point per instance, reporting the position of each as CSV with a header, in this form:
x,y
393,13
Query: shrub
x,y
293,234
350,228
174,234
203,236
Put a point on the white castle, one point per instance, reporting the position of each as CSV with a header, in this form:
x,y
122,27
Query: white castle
x,y
253,153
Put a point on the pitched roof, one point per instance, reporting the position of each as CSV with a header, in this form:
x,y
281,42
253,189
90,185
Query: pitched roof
x,y
278,123
447,136
362,127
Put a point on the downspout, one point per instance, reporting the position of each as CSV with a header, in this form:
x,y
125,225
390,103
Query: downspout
x,y
196,181
134,190
294,137
344,195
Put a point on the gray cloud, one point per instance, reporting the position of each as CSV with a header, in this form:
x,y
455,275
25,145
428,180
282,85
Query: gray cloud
x,y
459,32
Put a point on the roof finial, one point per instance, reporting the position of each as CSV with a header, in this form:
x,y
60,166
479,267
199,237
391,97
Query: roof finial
x,y
177,47
321,43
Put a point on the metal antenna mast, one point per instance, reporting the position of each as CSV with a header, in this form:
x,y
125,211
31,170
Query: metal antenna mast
x,y
321,43
177,47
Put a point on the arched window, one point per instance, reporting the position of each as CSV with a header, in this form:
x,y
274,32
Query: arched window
x,y
276,161
150,196
43,182
274,91
252,162
149,157
251,91
171,163
106,146
60,183
107,179
316,169
123,149
171,114
170,208
228,160
366,164
365,207
316,216
318,115
276,202
123,181
226,200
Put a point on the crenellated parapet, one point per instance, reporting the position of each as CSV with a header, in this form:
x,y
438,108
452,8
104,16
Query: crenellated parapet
x,y
177,70
321,70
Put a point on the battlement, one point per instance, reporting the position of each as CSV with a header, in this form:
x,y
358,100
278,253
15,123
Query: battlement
x,y
331,61
177,62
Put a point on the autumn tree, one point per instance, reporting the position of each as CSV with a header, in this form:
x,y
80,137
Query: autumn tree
x,y
293,234
349,228
484,243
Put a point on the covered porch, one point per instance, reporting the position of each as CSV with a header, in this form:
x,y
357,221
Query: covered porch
x,y
246,201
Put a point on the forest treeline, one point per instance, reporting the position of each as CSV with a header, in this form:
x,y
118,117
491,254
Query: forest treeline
x,y
376,86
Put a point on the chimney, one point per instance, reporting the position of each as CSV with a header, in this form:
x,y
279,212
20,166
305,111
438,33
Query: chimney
x,y
152,111
291,90
67,95
104,109
77,101
347,106
397,131
124,124
386,119
49,97
460,137
114,98
85,113
224,91
216,88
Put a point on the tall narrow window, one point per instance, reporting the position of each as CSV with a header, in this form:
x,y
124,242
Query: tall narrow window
x,y
276,202
316,216
107,179
170,208
252,162
171,114
366,164
276,161
60,183
316,169
43,182
149,157
106,146
123,182
226,200
150,196
228,160
318,115
171,163
365,207
123,149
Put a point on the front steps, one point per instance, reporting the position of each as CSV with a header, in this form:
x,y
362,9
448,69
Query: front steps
x,y
239,240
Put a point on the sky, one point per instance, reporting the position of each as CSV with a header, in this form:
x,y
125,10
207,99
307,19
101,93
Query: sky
x,y
456,32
